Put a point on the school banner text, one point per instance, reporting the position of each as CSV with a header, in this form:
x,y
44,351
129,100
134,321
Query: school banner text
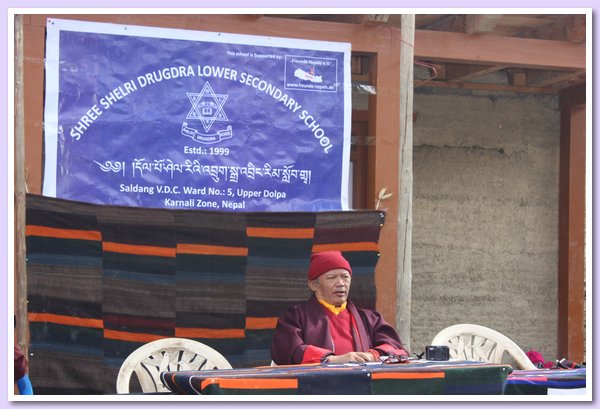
x,y
168,118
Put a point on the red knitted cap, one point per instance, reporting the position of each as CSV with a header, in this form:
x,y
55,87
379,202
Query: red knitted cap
x,y
321,263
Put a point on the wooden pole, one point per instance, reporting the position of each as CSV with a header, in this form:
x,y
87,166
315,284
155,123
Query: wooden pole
x,y
571,228
20,190
405,182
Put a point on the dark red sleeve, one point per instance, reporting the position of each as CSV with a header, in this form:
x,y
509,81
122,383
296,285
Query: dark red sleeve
x,y
383,336
20,364
313,354
386,349
289,347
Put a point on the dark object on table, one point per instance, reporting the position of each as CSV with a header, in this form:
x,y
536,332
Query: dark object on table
x,y
437,353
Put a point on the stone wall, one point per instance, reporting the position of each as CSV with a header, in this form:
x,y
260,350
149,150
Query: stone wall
x,y
485,215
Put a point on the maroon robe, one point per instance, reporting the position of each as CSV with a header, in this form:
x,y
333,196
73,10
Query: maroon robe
x,y
305,325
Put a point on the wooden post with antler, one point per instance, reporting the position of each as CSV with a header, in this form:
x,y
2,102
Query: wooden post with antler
x,y
405,182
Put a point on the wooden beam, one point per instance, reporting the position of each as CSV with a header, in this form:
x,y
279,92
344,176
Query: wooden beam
x,y
377,75
367,38
570,76
462,73
572,213
20,273
496,50
405,183
487,87
383,170
576,28
441,71
481,23
518,77
358,158
356,65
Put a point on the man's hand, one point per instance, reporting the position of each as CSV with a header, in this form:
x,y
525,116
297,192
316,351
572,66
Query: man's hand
x,y
351,357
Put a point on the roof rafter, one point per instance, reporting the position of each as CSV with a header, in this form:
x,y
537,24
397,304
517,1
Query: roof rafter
x,y
456,72
496,50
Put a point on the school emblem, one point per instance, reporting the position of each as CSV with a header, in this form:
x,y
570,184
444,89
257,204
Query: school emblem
x,y
207,107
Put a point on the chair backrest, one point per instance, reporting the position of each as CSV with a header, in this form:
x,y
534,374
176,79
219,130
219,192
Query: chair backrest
x,y
478,343
168,354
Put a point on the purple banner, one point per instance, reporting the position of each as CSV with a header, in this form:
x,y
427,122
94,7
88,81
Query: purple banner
x,y
142,116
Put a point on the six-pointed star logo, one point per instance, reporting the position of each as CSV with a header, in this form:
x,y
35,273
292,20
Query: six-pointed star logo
x,y
207,106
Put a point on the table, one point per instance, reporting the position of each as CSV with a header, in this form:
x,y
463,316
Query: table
x,y
546,382
417,377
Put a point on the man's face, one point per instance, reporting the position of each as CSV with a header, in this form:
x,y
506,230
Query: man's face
x,y
333,286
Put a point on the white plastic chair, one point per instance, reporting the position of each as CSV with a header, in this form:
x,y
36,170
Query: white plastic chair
x,y
168,354
478,343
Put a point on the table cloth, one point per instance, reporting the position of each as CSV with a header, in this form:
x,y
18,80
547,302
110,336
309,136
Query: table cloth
x,y
414,378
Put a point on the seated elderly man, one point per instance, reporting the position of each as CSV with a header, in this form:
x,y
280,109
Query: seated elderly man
x,y
328,327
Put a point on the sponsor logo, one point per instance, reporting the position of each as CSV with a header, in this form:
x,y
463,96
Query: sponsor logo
x,y
308,76
306,73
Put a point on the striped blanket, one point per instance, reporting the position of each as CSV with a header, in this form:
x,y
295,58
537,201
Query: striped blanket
x,y
104,280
